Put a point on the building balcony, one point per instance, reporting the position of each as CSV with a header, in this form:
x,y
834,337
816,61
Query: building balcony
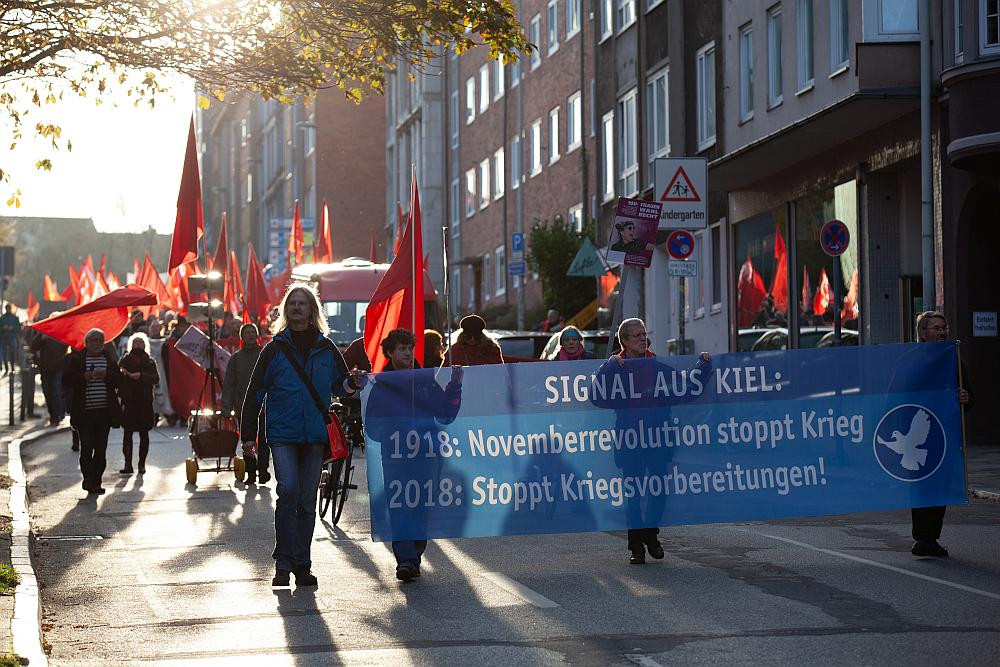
x,y
973,113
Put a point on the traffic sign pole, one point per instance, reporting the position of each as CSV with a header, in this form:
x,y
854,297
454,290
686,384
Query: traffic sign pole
x,y
834,238
836,301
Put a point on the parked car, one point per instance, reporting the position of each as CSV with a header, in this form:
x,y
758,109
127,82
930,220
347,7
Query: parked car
x,y
777,338
847,337
515,345
595,342
746,338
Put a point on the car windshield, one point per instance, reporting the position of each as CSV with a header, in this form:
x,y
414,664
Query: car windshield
x,y
346,320
523,347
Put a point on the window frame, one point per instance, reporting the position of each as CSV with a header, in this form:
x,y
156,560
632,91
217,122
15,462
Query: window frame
x,y
775,70
484,88
628,173
608,156
840,37
574,101
705,87
958,31
577,7
484,184
535,148
874,30
654,151
534,37
553,134
485,274
715,253
499,174
745,58
500,270
455,111
470,100
551,27
572,218
607,20
985,48
805,58
499,79
470,192
456,206
516,168
624,15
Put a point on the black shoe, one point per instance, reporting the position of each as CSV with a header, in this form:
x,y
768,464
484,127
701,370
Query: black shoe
x,y
638,557
75,447
142,469
303,577
281,579
127,470
655,550
406,572
263,477
928,549
96,490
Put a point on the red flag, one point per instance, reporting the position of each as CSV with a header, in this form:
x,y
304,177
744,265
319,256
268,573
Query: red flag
x,y
136,270
33,306
822,299
234,283
399,298
750,293
295,239
102,269
88,267
324,244
806,304
851,310
150,279
373,253
276,288
74,283
219,262
608,283
68,295
779,284
113,282
189,226
257,298
51,292
109,313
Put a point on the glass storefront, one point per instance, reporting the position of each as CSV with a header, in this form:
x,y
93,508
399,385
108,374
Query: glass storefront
x,y
772,295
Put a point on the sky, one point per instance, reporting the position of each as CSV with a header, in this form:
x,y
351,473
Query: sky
x,y
124,170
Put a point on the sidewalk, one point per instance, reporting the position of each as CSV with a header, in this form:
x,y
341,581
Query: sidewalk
x,y
18,612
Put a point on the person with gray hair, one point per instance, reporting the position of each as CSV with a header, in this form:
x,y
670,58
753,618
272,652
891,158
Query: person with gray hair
x,y
93,376
139,376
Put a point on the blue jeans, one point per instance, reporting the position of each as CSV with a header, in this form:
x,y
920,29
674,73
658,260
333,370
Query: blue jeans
x,y
409,552
297,468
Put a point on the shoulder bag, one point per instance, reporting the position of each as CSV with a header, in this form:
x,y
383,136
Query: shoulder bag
x,y
334,431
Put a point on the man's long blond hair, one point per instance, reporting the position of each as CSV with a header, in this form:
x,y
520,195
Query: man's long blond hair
x,y
315,311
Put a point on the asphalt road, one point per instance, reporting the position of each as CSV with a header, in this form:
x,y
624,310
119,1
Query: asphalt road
x,y
157,570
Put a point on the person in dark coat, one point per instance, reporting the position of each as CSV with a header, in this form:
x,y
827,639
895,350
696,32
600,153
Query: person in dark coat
x,y
234,391
50,354
94,378
474,347
139,378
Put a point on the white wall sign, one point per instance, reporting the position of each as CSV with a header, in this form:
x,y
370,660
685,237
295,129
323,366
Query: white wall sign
x,y
984,323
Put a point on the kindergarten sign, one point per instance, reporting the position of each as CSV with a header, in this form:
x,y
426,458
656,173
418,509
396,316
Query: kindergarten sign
x,y
590,445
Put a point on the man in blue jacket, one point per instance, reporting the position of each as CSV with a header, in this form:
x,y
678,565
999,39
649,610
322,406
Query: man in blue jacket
x,y
296,430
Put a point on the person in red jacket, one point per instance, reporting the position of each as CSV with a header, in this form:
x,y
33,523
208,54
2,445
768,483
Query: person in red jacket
x,y
474,347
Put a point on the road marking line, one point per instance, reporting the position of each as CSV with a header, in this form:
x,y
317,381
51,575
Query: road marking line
x,y
520,590
642,660
891,568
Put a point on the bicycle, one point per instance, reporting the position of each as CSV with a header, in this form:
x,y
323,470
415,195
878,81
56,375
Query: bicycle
x,y
335,479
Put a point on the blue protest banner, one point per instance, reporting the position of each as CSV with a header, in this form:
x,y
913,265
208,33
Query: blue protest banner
x,y
590,445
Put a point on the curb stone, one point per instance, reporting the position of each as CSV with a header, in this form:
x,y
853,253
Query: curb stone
x,y
26,628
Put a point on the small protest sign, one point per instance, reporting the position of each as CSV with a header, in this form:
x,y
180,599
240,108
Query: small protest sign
x,y
633,235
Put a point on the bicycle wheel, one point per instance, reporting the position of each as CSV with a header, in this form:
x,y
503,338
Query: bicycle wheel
x,y
325,488
343,482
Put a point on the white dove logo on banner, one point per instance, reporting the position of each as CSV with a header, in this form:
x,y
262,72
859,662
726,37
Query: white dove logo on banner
x,y
909,443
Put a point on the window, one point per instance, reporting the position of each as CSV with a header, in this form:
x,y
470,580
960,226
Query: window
x,y
696,291
657,120
499,175
484,88
498,79
607,19
486,277
572,17
470,193
716,267
958,10
453,118
652,3
989,26
839,40
575,217
625,13
470,100
805,46
471,298
500,270
705,76
249,188
607,156
456,206
535,36
593,107
552,26
774,87
890,20
574,122
535,148
484,183
455,288
746,72
553,135
628,165
515,163
515,73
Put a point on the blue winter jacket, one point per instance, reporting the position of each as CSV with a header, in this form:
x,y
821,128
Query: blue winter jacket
x,y
290,414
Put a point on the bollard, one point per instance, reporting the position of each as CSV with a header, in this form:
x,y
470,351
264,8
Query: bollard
x,y
11,395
